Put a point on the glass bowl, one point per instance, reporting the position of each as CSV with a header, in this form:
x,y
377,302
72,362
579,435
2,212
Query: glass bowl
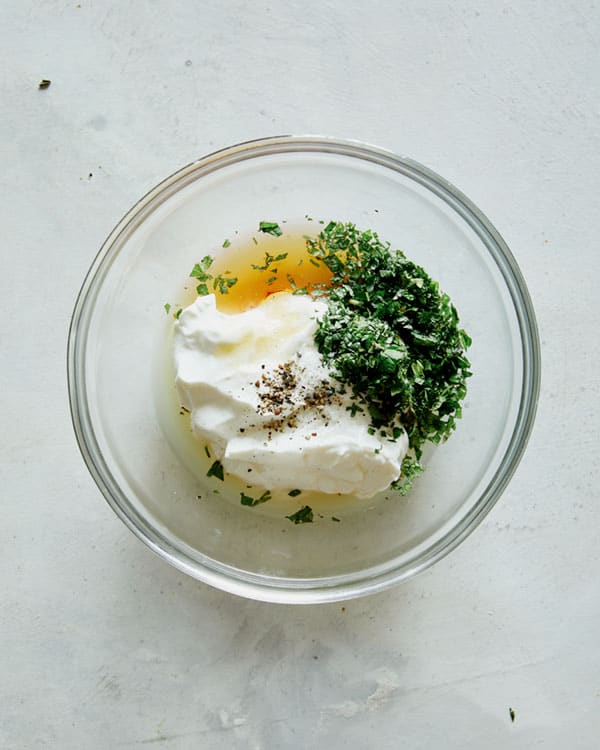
x,y
122,398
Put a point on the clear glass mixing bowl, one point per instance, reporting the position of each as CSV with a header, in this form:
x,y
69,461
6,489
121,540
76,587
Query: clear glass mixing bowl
x,y
121,395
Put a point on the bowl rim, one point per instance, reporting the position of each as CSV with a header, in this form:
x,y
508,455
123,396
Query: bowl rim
x,y
296,590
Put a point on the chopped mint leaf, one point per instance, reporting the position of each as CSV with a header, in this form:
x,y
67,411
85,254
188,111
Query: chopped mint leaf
x,y
178,313
392,336
303,515
296,289
167,307
294,493
354,409
216,470
268,260
409,470
252,502
199,270
226,243
270,227
223,283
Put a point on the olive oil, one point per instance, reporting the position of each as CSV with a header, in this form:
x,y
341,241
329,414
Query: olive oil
x,y
263,266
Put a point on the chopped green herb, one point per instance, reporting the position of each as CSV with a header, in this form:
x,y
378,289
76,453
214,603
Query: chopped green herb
x,y
270,227
207,451
252,502
272,279
354,409
392,336
303,515
167,307
296,289
512,714
294,493
268,260
334,518
216,470
223,283
44,84
226,243
199,271
410,469
178,313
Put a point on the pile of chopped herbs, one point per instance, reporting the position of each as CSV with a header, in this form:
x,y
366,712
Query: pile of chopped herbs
x,y
392,336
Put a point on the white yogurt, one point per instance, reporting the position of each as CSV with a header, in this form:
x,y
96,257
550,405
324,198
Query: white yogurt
x,y
263,401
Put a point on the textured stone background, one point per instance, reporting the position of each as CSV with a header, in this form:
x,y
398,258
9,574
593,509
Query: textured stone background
x,y
102,644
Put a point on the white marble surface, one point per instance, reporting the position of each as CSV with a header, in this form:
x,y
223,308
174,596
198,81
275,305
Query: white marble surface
x,y
104,645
